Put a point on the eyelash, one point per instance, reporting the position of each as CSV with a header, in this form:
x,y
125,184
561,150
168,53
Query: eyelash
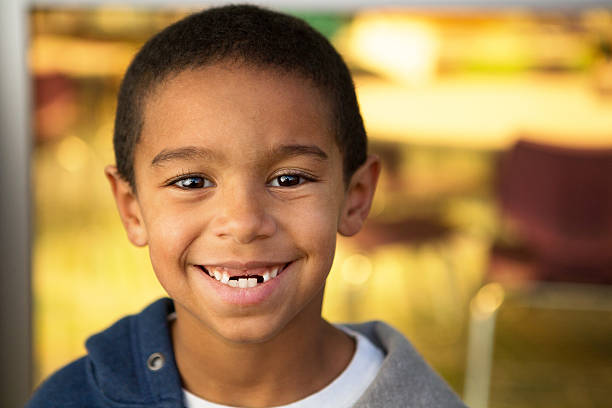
x,y
306,178
186,176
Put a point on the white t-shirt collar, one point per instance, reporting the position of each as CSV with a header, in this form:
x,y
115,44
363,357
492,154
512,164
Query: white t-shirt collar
x,y
342,392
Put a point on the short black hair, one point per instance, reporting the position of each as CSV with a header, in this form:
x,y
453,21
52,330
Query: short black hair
x,y
250,35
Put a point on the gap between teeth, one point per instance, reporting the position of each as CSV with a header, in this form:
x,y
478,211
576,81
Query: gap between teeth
x,y
237,282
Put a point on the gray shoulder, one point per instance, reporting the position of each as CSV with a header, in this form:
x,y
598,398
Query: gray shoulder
x,y
405,379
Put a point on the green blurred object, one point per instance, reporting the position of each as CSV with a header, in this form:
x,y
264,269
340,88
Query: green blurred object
x,y
326,24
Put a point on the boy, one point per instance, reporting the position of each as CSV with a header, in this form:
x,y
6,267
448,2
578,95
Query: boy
x,y
240,154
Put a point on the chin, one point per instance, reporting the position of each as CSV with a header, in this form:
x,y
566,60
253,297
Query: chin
x,y
249,330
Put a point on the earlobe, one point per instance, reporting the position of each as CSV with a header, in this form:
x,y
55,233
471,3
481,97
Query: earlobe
x,y
359,195
128,207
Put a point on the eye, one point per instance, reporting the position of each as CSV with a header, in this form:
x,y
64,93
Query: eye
x,y
192,182
288,180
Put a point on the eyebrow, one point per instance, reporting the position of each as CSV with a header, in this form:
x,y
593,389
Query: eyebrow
x,y
201,153
182,153
299,150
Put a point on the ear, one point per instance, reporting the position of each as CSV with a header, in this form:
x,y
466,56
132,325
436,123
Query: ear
x,y
358,197
128,206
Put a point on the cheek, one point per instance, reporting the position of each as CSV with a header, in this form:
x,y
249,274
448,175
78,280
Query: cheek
x,y
317,226
171,231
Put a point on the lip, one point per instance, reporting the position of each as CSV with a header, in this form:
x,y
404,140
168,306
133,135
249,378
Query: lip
x,y
245,265
246,296
241,269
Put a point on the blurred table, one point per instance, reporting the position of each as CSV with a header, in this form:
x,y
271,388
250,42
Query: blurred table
x,y
488,112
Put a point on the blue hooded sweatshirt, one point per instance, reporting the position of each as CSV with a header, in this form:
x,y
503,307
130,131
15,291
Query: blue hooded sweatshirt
x,y
131,365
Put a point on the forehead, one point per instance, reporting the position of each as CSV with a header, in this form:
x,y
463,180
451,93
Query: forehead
x,y
237,107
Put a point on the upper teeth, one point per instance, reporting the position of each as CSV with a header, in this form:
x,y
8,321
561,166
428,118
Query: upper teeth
x,y
221,274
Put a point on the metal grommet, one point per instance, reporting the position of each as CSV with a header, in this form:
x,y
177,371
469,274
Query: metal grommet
x,y
155,361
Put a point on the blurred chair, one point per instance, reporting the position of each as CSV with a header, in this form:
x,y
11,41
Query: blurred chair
x,y
560,201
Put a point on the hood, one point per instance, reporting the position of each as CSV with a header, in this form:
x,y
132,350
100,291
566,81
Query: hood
x,y
404,379
132,362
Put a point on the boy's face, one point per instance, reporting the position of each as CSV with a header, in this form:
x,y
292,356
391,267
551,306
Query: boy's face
x,y
237,171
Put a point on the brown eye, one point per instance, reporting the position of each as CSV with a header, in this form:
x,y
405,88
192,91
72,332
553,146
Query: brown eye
x,y
289,180
192,182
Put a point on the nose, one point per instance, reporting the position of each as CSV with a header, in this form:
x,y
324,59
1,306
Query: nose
x,y
242,216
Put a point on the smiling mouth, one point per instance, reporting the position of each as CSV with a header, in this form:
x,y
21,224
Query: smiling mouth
x,y
243,278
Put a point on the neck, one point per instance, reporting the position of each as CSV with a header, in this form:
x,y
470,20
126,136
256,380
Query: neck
x,y
305,356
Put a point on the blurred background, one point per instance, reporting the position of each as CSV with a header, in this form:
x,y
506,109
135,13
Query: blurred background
x,y
490,239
